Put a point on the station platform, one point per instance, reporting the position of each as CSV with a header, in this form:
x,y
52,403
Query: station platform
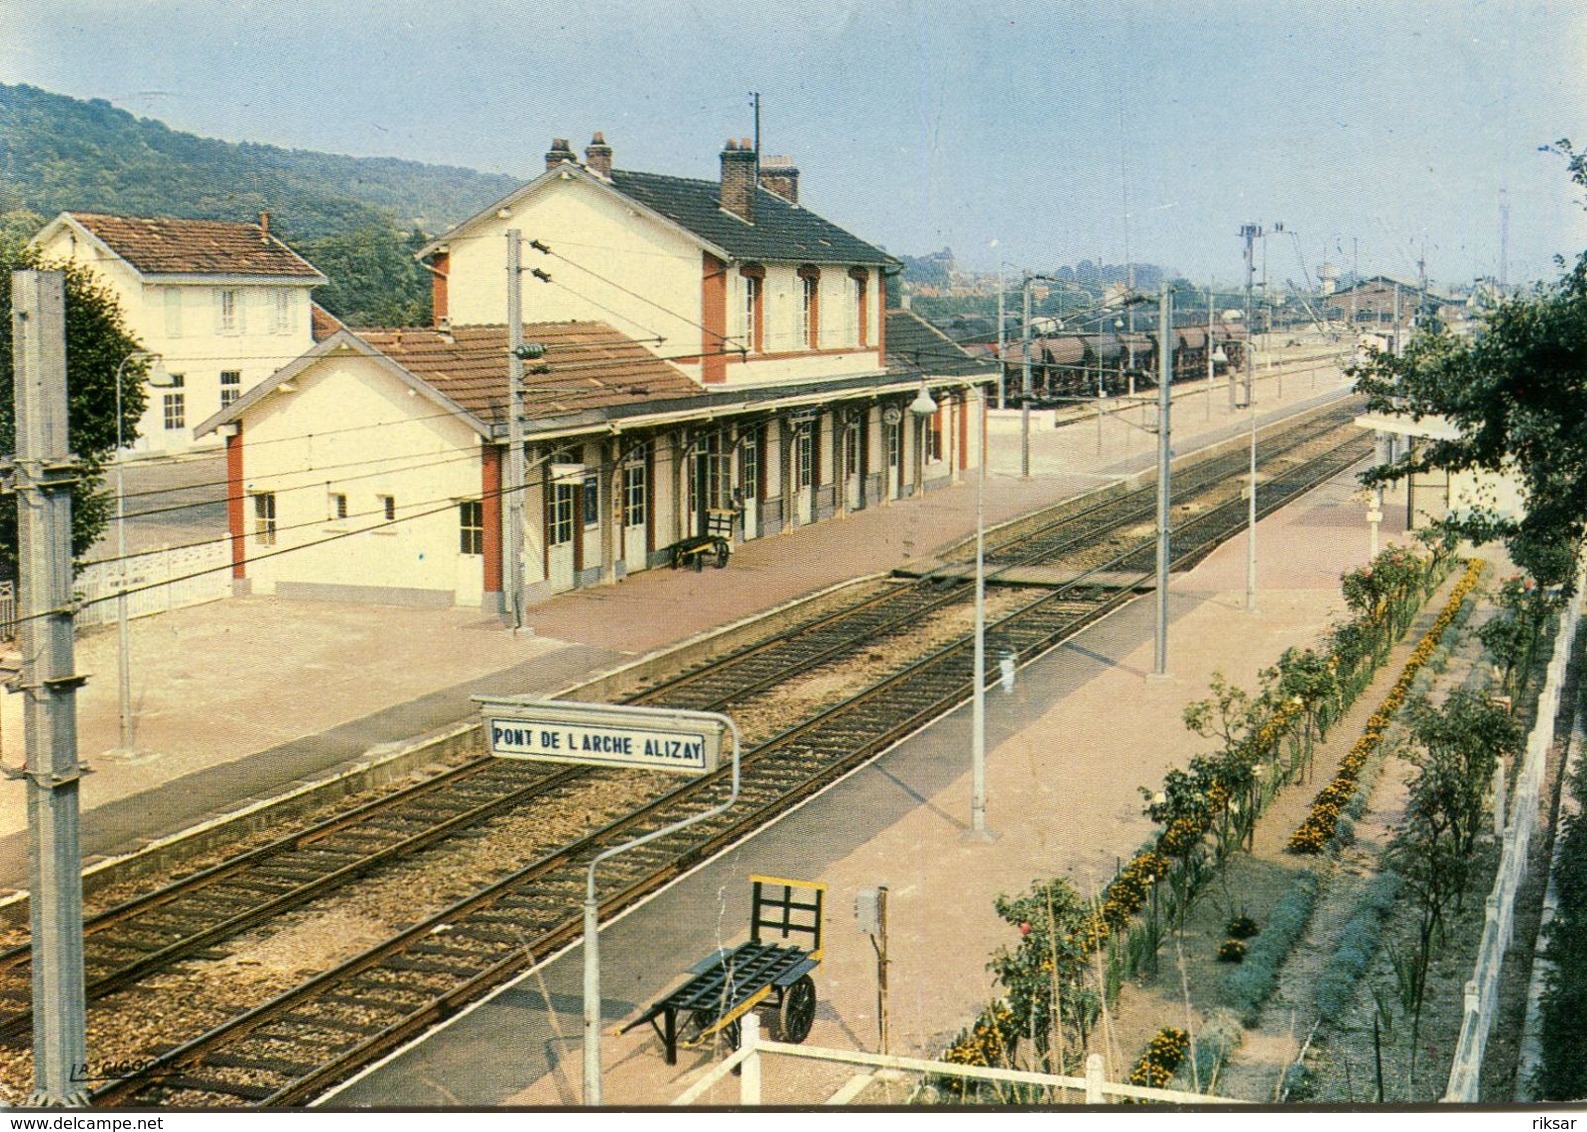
x,y
1068,749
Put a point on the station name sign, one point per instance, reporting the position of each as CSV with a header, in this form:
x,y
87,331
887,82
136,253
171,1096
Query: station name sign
x,y
601,735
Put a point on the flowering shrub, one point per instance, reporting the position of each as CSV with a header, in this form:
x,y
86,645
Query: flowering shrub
x,y
1242,927
1231,951
1314,834
987,1044
1164,1052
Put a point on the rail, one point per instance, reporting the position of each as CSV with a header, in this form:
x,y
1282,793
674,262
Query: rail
x,y
1094,1086
1482,991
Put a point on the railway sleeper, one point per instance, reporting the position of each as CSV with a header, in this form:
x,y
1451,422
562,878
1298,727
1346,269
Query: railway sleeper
x,y
276,1065
331,1022
445,947
423,966
369,1001
185,1083
487,929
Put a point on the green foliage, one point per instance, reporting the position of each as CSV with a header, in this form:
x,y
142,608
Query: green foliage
x,y
59,153
1247,987
1044,973
1358,944
97,341
1518,396
374,278
1562,1074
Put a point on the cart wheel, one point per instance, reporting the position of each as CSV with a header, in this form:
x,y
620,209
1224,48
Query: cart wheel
x,y
722,551
798,1011
730,1034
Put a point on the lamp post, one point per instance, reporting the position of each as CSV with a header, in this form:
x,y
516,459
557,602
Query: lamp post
x,y
923,407
160,379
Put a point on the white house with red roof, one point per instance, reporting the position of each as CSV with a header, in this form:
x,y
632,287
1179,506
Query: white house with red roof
x,y
224,305
710,349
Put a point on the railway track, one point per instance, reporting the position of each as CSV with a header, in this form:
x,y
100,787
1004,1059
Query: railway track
x,y
292,1047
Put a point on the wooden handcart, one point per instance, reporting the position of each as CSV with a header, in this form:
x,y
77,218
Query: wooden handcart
x,y
759,974
714,546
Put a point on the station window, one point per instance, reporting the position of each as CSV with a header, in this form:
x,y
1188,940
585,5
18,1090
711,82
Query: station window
x,y
592,501
281,312
809,308
752,313
805,457
264,518
934,438
636,495
174,405
471,527
173,312
227,312
895,444
230,386
338,505
559,515
851,449
388,506
749,464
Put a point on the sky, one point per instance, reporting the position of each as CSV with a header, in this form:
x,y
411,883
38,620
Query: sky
x,y
1031,134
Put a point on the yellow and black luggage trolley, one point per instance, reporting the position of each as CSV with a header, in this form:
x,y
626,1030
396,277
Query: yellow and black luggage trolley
x,y
727,984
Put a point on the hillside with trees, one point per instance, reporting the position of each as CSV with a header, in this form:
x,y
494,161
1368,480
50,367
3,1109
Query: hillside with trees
x,y
354,217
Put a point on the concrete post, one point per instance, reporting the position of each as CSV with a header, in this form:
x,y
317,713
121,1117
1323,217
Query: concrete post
x,y
749,1076
45,472
1095,1080
1024,386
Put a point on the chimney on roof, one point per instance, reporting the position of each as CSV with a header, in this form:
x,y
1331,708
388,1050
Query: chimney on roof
x,y
264,226
598,156
559,152
738,179
780,176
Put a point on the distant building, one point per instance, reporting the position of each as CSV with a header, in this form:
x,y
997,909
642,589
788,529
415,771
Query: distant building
x,y
1373,304
224,305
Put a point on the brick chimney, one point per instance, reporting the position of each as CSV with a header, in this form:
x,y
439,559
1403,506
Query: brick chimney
x,y
264,226
598,156
559,152
738,179
779,175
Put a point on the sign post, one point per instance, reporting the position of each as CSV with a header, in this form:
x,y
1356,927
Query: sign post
x,y
680,742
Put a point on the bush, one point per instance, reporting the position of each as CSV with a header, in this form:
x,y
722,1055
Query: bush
x,y
1358,944
1247,986
1241,927
1562,1074
1231,951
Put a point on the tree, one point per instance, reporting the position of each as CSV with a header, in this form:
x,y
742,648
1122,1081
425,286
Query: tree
x,y
97,342
1517,392
374,278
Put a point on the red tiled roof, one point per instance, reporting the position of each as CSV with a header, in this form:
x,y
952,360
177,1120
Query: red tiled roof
x,y
167,246
590,366
323,323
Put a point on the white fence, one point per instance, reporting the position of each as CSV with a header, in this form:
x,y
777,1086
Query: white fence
x,y
747,1060
1482,991
155,582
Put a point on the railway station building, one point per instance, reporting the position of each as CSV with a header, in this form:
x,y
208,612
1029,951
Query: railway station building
x,y
699,360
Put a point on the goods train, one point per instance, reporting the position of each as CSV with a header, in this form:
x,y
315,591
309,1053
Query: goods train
x,y
1067,365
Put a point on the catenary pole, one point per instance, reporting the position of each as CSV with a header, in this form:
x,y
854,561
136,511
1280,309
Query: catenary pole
x,y
1165,454
45,472
513,534
1024,388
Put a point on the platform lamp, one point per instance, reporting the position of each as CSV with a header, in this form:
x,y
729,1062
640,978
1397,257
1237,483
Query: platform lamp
x,y
158,377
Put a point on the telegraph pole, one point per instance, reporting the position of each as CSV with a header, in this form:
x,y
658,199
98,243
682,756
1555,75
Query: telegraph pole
x,y
1024,414
1250,232
513,513
44,474
1002,344
1165,454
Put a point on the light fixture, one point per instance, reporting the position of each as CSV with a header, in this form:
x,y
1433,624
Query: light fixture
x,y
923,405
